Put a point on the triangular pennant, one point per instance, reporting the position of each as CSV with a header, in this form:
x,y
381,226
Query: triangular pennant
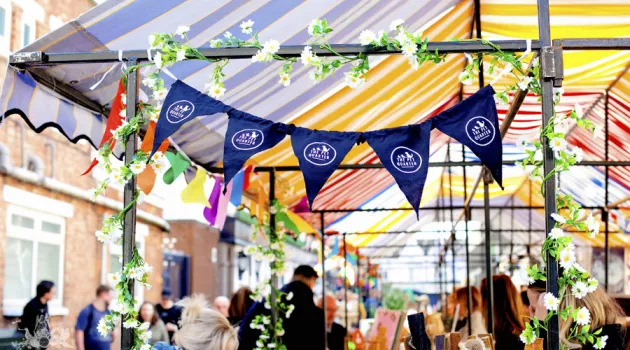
x,y
194,193
246,136
211,213
475,123
404,152
114,120
319,154
146,179
179,164
224,201
183,104
237,188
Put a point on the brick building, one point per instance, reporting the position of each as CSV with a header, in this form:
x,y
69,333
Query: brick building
x,y
47,221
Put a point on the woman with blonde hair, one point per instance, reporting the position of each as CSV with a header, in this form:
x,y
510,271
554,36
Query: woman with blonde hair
x,y
605,314
202,328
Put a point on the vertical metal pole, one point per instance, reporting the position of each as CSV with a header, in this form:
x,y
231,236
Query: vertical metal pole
x,y
450,203
467,219
544,35
129,221
478,30
358,277
489,282
345,279
272,233
605,209
323,255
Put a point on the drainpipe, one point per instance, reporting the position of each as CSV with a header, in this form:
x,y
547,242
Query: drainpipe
x,y
22,146
51,145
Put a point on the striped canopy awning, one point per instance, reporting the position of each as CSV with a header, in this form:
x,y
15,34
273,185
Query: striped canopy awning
x,y
393,96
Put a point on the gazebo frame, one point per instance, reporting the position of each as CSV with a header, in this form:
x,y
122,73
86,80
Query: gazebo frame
x,y
552,73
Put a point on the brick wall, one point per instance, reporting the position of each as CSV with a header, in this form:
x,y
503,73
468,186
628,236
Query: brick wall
x,y
197,240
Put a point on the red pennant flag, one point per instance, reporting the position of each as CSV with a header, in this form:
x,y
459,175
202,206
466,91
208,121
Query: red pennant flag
x,y
248,172
114,120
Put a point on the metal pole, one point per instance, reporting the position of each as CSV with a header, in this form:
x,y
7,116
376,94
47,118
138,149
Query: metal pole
x,y
129,221
345,279
450,202
604,209
544,33
323,255
466,220
357,279
489,282
272,233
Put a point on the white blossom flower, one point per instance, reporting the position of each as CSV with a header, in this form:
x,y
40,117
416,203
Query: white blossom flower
x,y
228,35
216,43
559,219
551,302
147,268
116,233
583,316
135,273
580,289
290,296
592,225
308,58
271,345
409,49
567,257
271,46
529,279
592,285
149,82
246,26
275,246
598,133
252,325
280,332
538,155
119,130
160,166
102,237
114,278
524,84
273,210
285,79
601,342
102,328
157,59
522,142
145,336
413,62
556,232
578,111
216,90
152,41
160,94
93,192
266,320
146,347
260,344
367,37
353,80
137,167
395,24
182,30
558,91
311,26
181,55
145,326
267,306
130,324
558,144
465,78
578,153
402,38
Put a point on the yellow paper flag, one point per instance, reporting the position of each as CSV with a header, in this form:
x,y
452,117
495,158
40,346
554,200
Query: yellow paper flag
x,y
194,193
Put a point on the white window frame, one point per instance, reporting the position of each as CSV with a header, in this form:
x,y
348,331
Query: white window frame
x,y
30,21
5,41
13,307
110,250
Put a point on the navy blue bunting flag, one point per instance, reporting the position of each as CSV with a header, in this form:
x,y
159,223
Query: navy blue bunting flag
x,y
404,152
182,104
475,123
246,136
319,154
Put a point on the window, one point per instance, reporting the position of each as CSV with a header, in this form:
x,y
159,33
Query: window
x,y
5,26
28,30
34,252
114,252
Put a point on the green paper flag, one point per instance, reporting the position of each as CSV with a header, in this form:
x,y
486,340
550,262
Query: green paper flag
x,y
179,163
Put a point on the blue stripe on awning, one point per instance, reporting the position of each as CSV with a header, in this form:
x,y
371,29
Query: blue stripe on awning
x,y
23,90
65,117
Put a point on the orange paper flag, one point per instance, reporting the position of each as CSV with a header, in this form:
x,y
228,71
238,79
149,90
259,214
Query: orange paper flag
x,y
146,179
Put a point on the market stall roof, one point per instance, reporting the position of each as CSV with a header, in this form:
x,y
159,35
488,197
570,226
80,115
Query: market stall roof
x,y
393,96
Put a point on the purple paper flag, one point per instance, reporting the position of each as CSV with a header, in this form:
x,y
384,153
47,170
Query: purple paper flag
x,y
211,213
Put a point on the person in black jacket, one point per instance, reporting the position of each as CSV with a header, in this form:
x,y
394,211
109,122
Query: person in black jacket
x,y
34,320
304,330
508,312
336,332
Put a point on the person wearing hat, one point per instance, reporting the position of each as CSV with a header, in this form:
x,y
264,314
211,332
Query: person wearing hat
x,y
169,313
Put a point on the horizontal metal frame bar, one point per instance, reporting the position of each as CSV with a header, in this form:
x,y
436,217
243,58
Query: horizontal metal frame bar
x,y
445,47
593,44
449,207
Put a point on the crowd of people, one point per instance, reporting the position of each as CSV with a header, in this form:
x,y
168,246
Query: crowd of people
x,y
194,324
512,310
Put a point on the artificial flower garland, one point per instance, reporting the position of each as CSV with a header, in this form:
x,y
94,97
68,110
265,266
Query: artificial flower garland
x,y
169,51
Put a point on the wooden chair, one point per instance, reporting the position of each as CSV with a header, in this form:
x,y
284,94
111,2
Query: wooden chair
x,y
536,345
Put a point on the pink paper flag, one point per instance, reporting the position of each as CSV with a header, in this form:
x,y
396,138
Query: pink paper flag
x,y
224,201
